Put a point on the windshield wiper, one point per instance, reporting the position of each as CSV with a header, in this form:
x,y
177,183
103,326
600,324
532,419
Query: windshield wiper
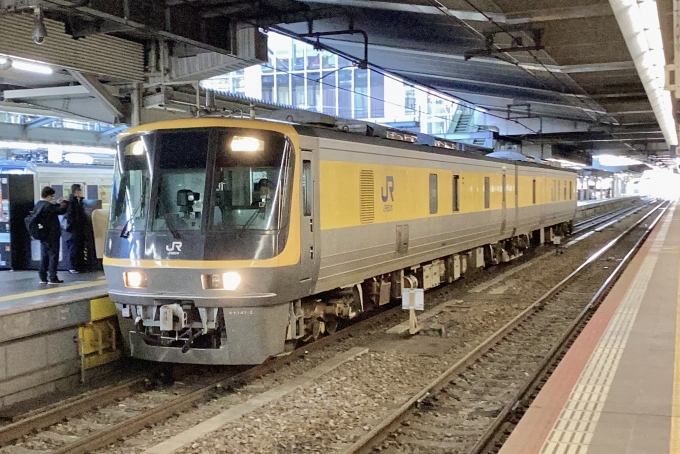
x,y
171,226
125,233
168,221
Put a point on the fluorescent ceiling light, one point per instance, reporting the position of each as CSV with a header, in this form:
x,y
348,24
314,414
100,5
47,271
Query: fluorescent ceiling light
x,y
608,160
31,67
654,39
79,158
649,15
3,60
639,24
565,163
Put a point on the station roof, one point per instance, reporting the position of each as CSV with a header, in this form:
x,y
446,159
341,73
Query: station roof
x,y
516,58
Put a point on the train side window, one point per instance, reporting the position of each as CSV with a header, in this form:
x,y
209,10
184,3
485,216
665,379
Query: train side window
x,y
307,187
533,191
433,193
487,192
456,193
571,193
552,191
565,190
557,194
503,188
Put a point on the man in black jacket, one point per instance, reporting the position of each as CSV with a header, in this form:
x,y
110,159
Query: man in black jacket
x,y
49,248
74,235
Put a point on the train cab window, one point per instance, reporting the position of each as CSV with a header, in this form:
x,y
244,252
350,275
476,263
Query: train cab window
x,y
182,163
487,192
251,184
131,185
433,193
456,193
533,191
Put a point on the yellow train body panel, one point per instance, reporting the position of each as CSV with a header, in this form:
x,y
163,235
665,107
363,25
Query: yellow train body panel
x,y
340,192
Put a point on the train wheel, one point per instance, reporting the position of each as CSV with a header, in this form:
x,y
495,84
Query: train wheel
x,y
313,329
331,324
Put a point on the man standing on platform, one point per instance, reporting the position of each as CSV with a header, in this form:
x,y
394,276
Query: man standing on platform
x,y
48,214
74,236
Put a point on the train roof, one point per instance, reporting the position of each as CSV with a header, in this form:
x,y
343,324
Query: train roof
x,y
330,133
321,125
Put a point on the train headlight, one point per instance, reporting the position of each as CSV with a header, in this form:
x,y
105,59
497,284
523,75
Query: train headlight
x,y
134,279
231,280
246,144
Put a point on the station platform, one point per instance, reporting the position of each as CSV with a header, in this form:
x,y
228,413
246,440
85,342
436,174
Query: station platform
x,y
50,334
617,390
589,208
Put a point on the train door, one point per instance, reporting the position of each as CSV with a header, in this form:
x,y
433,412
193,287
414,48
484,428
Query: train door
x,y
504,203
544,199
516,190
308,253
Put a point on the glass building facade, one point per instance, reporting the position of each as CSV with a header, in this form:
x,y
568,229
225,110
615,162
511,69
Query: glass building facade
x,y
299,76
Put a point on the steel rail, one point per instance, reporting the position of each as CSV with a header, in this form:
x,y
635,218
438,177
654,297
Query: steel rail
x,y
110,394
598,220
178,405
91,400
521,398
366,443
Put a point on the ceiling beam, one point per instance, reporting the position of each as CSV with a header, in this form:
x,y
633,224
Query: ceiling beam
x,y
10,131
525,17
595,67
49,92
112,131
181,24
632,112
98,90
39,122
410,8
24,108
559,14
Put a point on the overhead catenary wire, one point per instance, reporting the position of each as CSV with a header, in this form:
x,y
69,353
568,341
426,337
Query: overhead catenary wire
x,y
445,97
585,109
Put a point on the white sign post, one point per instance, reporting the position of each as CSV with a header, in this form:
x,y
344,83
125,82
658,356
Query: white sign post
x,y
413,299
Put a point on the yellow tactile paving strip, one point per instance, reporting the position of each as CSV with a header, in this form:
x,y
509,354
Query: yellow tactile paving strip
x,y
574,429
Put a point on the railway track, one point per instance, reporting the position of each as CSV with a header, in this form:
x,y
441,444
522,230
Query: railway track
x,y
176,405
470,408
603,219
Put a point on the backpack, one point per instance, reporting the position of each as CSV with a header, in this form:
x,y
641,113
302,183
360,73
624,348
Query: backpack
x,y
34,226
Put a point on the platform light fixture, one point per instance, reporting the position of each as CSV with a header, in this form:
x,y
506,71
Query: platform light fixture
x,y
609,160
5,63
639,24
31,67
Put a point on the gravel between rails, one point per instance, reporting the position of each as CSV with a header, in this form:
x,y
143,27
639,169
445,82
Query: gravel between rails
x,y
342,406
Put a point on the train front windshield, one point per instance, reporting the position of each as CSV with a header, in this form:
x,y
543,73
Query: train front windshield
x,y
203,179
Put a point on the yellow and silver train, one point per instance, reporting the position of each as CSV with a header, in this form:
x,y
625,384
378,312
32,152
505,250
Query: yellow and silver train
x,y
225,232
